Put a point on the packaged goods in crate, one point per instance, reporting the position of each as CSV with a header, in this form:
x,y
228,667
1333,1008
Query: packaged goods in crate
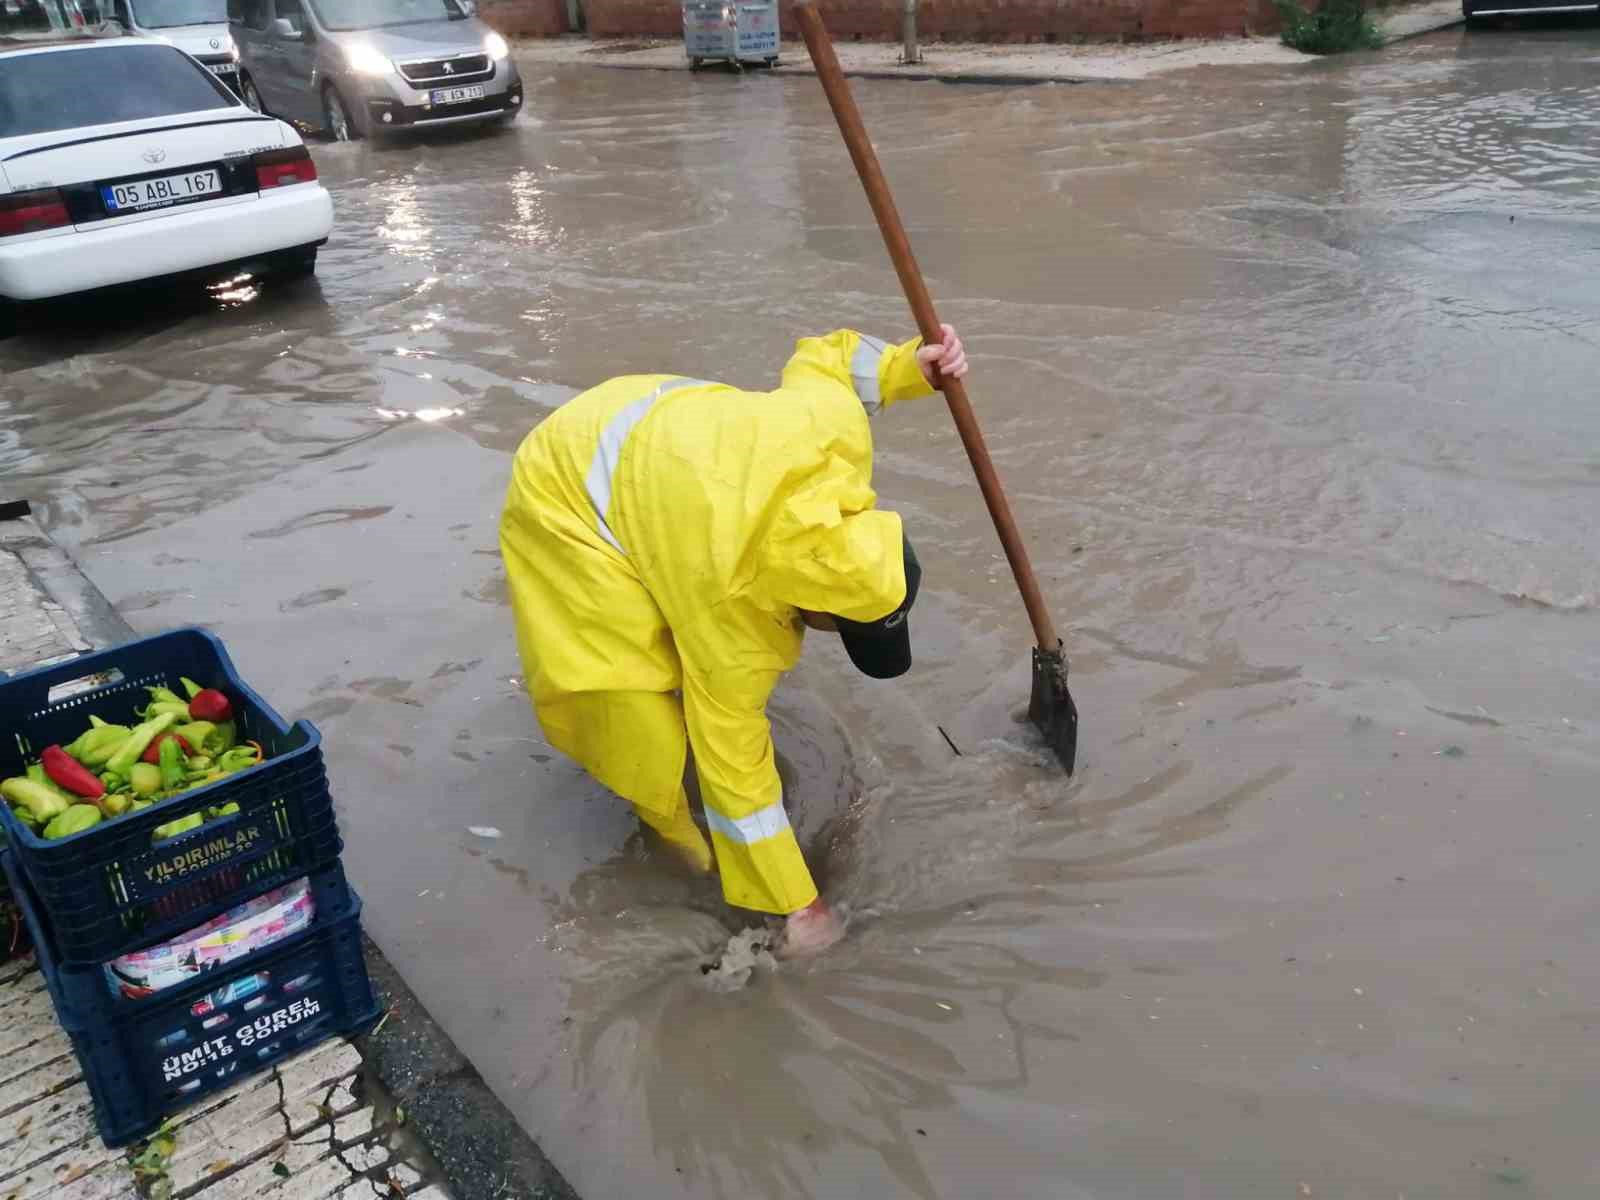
x,y
148,788
243,930
146,1058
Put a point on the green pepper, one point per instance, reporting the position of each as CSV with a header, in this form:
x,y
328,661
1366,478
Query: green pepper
x,y
224,738
76,748
162,707
238,759
128,753
117,804
182,825
196,733
37,774
44,804
199,765
190,686
171,763
100,743
75,820
222,810
145,778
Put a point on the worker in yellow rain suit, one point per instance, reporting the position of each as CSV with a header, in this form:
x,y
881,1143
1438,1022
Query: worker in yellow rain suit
x,y
666,537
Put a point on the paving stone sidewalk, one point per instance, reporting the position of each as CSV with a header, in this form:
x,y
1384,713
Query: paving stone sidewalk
x,y
303,1131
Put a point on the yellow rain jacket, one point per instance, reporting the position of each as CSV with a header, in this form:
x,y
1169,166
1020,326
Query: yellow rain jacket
x,y
660,535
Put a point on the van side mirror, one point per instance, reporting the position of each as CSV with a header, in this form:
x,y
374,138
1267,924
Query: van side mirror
x,y
283,29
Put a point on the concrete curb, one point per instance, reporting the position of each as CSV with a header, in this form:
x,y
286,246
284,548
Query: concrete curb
x,y
423,1082
903,74
478,1145
1415,20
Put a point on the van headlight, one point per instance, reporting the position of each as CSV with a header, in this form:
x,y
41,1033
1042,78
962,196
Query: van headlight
x,y
498,48
364,60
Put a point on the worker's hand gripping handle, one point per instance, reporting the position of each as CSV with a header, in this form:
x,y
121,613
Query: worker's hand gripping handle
x,y
905,265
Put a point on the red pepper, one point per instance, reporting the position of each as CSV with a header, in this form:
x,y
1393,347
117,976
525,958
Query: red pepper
x,y
210,705
66,772
152,753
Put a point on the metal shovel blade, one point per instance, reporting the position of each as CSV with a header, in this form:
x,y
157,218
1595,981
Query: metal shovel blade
x,y
1051,707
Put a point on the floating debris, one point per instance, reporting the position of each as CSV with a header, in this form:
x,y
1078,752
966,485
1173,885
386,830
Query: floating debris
x,y
745,952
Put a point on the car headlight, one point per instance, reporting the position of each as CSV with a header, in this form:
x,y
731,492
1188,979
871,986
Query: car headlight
x,y
364,60
498,48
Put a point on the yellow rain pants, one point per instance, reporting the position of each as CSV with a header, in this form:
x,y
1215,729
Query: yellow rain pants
x,y
660,535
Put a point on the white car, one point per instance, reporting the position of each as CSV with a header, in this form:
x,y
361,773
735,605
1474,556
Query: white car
x,y
123,159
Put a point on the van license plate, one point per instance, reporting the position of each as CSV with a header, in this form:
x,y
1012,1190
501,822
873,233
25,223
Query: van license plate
x,y
456,95
160,193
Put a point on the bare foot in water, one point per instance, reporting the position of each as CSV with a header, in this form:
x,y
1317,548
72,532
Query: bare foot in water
x,y
810,931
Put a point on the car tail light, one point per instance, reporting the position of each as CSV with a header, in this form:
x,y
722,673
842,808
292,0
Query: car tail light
x,y
29,212
276,168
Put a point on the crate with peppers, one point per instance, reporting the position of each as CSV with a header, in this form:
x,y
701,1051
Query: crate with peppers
x,y
111,770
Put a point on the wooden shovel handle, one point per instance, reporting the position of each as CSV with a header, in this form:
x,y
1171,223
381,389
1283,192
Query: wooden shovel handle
x,y
905,265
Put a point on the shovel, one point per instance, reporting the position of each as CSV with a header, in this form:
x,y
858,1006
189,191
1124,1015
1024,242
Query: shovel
x,y
1051,707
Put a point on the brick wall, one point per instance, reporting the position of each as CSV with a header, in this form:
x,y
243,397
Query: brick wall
x,y
955,20
525,18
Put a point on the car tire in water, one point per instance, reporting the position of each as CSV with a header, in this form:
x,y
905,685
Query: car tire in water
x,y
251,97
341,124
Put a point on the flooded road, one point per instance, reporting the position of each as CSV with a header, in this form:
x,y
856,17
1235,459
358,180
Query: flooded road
x,y
1290,374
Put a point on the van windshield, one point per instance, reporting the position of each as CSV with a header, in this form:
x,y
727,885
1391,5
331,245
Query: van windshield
x,y
342,15
169,14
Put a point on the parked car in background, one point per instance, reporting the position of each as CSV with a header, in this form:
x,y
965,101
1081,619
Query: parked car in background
x,y
23,18
355,68
198,27
123,159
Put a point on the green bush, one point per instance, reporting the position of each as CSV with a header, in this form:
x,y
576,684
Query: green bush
x,y
1336,26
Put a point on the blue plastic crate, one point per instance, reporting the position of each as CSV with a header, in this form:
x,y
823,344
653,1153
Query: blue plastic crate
x,y
144,1060
113,888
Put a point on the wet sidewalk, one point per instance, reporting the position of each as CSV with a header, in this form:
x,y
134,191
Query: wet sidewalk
x,y
330,1124
967,62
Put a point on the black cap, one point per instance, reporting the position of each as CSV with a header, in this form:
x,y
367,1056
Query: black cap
x,y
882,648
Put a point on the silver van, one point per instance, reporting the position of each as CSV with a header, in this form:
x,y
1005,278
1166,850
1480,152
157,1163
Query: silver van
x,y
360,68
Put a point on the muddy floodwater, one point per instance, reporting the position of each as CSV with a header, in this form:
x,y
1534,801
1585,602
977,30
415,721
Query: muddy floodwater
x,y
1292,375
